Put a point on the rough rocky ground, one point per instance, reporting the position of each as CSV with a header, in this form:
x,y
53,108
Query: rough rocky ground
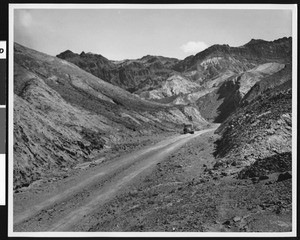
x,y
48,181
68,200
186,193
259,130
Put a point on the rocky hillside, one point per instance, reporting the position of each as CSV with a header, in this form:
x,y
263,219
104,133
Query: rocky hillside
x,y
261,127
236,59
226,74
64,116
218,104
131,75
259,134
215,80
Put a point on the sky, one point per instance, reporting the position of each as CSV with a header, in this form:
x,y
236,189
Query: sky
x,y
119,34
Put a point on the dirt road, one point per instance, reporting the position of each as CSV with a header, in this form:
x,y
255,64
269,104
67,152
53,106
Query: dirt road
x,y
73,200
186,193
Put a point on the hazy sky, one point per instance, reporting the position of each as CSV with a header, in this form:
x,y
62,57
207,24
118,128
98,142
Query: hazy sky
x,y
132,33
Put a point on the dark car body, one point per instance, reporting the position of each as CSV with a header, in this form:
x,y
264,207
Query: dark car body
x,y
188,128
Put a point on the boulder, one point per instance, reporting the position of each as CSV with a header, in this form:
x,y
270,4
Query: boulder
x,y
284,176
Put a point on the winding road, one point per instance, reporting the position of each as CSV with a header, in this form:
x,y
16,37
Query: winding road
x,y
62,210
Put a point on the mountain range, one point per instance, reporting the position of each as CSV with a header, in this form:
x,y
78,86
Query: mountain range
x,y
215,80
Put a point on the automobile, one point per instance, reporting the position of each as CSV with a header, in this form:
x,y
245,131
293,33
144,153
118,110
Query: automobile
x,y
188,128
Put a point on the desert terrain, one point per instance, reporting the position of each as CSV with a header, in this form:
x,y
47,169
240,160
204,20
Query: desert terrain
x,y
99,144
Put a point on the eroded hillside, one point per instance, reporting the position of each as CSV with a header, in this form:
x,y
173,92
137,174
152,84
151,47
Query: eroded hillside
x,y
132,75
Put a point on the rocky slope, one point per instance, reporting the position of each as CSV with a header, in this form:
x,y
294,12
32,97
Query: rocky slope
x,y
64,116
131,75
218,104
259,134
228,73
174,85
236,59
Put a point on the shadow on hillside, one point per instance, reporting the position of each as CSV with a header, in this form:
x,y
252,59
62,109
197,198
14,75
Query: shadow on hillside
x,y
222,148
280,162
228,91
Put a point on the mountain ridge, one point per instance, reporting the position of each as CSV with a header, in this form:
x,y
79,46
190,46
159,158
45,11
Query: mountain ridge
x,y
208,69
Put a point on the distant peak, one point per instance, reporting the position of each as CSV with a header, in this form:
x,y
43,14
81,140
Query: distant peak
x,y
66,54
255,41
260,41
89,53
156,57
149,57
283,39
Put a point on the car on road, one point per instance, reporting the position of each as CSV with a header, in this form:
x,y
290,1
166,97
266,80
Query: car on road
x,y
188,128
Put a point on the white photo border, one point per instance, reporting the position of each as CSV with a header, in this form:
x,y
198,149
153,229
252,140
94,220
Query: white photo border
x,y
292,7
